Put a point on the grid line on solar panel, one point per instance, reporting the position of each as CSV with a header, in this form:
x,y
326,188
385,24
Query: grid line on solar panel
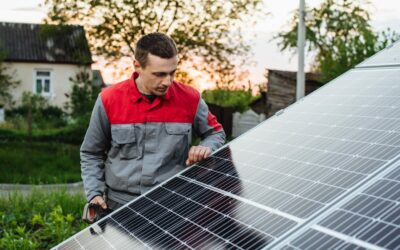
x,y
198,217
370,216
324,105
362,153
347,116
210,206
350,144
199,199
345,133
361,205
263,224
211,172
293,174
247,201
90,236
296,206
321,238
273,174
283,162
130,220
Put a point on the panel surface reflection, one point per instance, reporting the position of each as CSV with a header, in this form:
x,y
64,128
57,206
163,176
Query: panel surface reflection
x,y
266,184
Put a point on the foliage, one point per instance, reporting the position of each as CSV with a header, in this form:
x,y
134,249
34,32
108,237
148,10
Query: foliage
x,y
201,29
45,117
83,96
37,114
71,134
33,103
39,220
7,83
340,34
239,100
52,162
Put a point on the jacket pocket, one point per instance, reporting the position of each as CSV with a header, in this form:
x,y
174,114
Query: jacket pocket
x,y
178,128
124,141
178,136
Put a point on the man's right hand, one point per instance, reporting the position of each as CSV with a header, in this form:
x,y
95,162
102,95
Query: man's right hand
x,y
99,201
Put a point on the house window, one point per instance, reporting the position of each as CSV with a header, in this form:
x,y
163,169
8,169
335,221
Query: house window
x,y
43,82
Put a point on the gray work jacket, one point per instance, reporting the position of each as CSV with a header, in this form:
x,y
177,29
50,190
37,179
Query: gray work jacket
x,y
133,144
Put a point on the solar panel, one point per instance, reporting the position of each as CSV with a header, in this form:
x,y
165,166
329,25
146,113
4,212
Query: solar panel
x,y
387,57
369,218
322,173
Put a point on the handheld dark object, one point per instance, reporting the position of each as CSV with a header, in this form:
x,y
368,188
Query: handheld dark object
x,y
94,212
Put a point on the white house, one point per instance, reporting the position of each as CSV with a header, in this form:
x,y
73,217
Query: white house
x,y
44,58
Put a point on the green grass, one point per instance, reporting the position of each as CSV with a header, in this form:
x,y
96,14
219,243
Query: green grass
x,y
39,162
39,220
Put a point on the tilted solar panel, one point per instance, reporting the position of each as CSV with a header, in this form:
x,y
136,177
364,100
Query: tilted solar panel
x,y
369,218
387,57
295,181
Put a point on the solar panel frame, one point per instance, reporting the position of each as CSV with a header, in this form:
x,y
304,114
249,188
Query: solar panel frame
x,y
334,210
304,226
390,56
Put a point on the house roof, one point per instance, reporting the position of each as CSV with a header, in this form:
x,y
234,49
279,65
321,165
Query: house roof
x,y
23,42
292,75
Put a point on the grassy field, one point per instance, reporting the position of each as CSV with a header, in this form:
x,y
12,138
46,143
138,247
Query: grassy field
x,y
39,220
39,163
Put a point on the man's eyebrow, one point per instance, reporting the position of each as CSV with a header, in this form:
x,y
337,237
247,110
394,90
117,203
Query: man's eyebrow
x,y
163,72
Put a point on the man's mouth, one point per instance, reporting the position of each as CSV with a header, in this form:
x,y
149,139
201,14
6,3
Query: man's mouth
x,y
162,89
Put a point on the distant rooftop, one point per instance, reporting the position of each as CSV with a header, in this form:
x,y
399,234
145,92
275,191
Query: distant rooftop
x,y
23,42
292,75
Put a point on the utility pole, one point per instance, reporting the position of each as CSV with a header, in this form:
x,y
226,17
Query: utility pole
x,y
300,83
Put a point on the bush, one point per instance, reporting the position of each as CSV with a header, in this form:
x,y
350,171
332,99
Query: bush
x,y
40,220
239,100
72,134
43,118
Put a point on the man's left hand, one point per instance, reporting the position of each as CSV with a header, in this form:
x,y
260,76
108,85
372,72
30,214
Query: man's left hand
x,y
197,153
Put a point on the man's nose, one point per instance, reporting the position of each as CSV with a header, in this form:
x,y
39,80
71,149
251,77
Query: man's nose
x,y
167,80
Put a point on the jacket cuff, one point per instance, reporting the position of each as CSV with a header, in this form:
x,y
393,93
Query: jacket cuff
x,y
209,145
92,195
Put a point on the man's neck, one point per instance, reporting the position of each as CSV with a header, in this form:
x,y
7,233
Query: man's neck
x,y
139,86
149,96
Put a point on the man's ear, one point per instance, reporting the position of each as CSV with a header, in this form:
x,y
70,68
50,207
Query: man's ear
x,y
137,65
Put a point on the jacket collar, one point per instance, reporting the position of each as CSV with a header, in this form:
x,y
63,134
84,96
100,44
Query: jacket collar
x,y
137,96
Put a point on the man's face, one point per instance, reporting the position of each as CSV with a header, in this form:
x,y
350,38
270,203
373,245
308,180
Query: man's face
x,y
157,76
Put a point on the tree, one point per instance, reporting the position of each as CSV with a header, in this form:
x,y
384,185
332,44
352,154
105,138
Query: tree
x,y
33,103
83,96
7,82
208,33
340,34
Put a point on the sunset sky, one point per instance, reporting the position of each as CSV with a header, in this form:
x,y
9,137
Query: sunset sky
x,y
265,53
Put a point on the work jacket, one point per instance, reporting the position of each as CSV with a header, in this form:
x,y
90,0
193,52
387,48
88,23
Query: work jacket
x,y
133,144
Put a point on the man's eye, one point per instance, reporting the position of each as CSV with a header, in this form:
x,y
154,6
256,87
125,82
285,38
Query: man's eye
x,y
160,74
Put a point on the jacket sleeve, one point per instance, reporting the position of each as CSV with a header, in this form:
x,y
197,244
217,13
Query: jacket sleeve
x,y
93,151
206,125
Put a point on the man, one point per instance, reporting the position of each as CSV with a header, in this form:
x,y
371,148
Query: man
x,y
140,129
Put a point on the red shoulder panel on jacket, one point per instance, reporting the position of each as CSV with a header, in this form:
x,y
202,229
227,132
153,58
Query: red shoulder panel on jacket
x,y
124,104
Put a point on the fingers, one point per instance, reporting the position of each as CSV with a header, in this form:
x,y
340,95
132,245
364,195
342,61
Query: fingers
x,y
197,153
99,201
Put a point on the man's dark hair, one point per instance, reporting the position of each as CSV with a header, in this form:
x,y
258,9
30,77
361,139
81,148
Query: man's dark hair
x,y
157,44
